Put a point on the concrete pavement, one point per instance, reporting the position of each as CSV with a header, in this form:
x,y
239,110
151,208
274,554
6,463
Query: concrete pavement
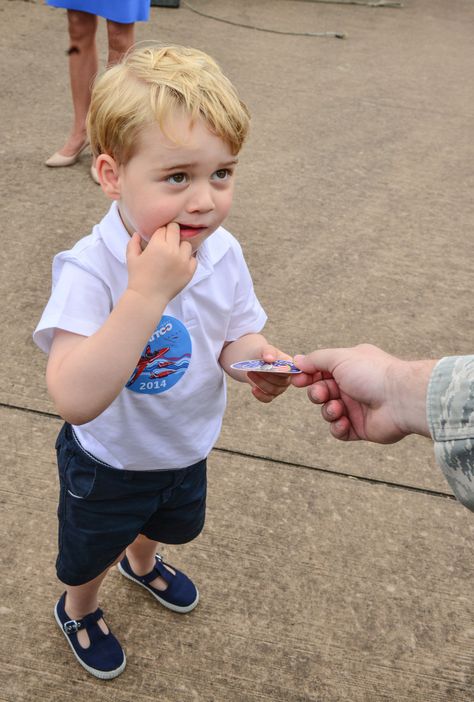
x,y
328,572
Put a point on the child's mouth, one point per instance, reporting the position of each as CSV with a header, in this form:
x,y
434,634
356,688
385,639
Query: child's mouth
x,y
188,231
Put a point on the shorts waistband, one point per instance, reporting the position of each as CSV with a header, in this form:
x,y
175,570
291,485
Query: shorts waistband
x,y
71,437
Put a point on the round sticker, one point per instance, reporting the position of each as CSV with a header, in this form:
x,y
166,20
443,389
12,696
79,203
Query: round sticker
x,y
164,360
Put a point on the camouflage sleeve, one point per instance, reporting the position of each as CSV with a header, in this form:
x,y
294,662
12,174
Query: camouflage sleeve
x,y
450,411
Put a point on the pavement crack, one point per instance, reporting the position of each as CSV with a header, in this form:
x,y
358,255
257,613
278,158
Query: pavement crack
x,y
281,461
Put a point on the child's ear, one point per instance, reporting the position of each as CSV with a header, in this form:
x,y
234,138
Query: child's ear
x,y
108,174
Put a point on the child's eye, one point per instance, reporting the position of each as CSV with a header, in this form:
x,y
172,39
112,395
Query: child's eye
x,y
222,174
177,178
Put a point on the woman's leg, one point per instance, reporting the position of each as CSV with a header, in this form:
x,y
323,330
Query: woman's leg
x,y
83,66
121,38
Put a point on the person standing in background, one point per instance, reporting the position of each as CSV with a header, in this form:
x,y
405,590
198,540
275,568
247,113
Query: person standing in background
x,y
82,17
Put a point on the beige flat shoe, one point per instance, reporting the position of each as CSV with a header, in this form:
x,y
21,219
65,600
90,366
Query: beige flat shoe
x,y
94,175
57,160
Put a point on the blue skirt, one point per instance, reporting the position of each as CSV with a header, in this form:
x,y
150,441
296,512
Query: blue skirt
x,y
125,11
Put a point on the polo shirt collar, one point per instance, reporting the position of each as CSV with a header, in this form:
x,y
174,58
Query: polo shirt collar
x,y
114,234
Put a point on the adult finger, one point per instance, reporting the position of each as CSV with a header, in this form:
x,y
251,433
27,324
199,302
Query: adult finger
x,y
323,390
333,410
323,359
341,429
302,380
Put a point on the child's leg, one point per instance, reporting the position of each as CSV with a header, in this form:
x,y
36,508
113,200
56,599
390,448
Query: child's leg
x,y
82,600
172,588
179,519
141,556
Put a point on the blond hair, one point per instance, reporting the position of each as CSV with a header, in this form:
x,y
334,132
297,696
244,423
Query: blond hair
x,y
149,85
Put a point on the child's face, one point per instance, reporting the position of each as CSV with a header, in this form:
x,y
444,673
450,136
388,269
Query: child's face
x,y
189,181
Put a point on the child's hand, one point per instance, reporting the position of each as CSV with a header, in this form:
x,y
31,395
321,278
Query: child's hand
x,y
267,386
163,268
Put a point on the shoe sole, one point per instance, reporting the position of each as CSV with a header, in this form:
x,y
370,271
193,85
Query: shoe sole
x,y
165,603
102,674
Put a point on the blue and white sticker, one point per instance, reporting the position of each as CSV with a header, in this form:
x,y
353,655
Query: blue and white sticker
x,y
259,366
165,359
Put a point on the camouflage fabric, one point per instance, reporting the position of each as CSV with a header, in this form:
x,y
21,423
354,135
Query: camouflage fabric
x,y
450,411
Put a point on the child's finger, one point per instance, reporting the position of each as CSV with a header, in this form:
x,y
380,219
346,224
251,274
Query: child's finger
x,y
260,395
172,233
259,381
270,379
271,353
272,389
134,248
186,251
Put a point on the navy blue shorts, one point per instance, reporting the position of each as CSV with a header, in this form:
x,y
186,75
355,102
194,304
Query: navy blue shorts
x,y
103,509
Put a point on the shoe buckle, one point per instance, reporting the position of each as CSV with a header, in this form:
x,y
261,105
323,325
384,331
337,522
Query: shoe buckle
x,y
159,557
71,626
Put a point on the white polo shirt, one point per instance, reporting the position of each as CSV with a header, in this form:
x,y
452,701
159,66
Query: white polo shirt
x,y
170,412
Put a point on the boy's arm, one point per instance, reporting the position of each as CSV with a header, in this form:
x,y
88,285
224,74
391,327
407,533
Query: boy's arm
x,y
85,374
265,386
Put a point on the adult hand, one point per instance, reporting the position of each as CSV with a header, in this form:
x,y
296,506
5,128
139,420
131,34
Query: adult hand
x,y
365,393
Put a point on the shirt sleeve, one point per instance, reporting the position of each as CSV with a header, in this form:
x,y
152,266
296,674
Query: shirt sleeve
x,y
450,411
248,316
79,303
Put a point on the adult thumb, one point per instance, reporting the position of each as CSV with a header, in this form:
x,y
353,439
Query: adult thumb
x,y
320,360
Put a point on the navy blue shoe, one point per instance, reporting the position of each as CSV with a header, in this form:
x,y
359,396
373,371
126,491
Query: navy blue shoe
x,y
104,657
181,595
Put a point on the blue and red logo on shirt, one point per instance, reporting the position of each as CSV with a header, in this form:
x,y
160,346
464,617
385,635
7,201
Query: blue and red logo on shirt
x,y
164,360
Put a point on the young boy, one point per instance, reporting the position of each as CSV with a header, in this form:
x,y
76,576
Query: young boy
x,y
145,315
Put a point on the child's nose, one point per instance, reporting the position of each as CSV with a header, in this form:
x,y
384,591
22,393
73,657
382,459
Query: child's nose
x,y
200,199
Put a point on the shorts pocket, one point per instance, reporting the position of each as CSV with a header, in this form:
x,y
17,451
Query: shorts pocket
x,y
80,478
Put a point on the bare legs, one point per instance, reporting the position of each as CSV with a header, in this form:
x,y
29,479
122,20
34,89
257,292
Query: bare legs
x,y
83,66
83,599
141,556
121,38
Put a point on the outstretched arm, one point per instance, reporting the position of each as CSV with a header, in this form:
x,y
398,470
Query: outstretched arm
x,y
366,393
